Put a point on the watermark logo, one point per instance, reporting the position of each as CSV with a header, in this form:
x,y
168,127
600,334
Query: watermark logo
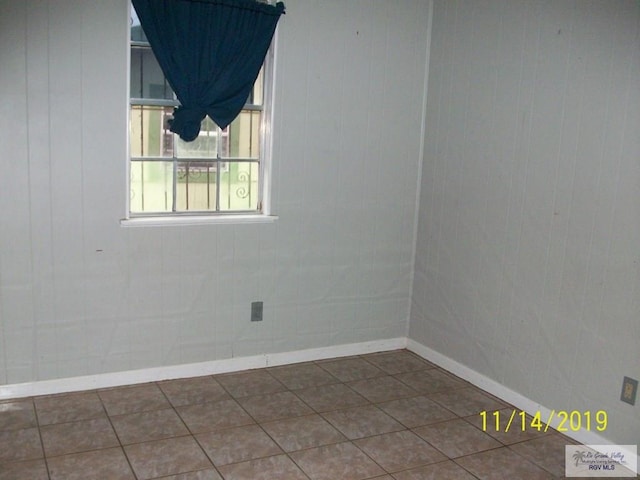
x,y
601,461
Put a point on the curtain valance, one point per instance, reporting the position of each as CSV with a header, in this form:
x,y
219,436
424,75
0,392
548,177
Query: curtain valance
x,y
210,51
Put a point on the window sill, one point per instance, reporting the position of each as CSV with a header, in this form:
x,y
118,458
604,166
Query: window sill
x,y
170,221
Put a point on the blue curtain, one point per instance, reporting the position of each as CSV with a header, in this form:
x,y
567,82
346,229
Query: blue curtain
x,y
210,51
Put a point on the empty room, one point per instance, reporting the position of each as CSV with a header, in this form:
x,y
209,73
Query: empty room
x,y
305,240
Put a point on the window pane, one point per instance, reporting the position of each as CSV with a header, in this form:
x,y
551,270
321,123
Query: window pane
x,y
244,135
137,34
257,94
239,188
151,187
206,145
147,79
150,136
196,185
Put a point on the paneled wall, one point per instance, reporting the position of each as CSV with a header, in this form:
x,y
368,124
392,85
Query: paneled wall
x,y
527,265
80,294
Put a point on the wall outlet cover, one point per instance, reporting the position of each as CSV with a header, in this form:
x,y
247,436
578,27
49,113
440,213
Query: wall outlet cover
x,y
629,390
256,311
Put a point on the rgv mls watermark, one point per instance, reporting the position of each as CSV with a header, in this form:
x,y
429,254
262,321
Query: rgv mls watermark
x,y
601,461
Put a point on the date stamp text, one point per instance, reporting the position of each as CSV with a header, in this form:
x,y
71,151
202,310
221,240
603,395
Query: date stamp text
x,y
567,421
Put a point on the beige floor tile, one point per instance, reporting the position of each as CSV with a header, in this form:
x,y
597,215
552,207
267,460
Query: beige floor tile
x,y
398,362
235,445
208,417
303,432
382,389
68,408
208,474
189,391
467,401
399,451
17,415
416,411
95,465
20,445
446,470
331,397
278,467
360,422
138,398
431,381
166,457
148,426
27,470
501,463
339,461
75,437
274,406
303,375
351,369
456,438
547,452
254,382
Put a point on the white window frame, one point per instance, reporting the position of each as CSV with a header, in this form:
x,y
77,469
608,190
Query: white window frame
x,y
264,213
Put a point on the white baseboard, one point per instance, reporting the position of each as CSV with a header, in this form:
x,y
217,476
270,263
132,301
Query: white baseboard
x,y
519,401
108,380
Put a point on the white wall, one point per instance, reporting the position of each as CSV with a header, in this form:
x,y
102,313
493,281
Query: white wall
x,y
79,294
528,260
527,265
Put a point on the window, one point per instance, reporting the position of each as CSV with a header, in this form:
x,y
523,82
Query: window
x,y
221,172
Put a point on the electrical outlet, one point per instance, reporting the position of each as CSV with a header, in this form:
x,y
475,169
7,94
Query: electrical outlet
x,y
629,390
256,311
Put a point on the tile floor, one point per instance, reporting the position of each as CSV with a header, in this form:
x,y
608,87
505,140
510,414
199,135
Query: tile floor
x,y
381,416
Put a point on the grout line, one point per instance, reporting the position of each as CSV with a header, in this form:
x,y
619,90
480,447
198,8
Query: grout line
x,y
44,453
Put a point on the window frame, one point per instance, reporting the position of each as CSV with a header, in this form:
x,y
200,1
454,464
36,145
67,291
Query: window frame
x,y
263,212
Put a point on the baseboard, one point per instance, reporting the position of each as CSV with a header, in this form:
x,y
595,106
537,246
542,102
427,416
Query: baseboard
x,y
131,377
519,401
